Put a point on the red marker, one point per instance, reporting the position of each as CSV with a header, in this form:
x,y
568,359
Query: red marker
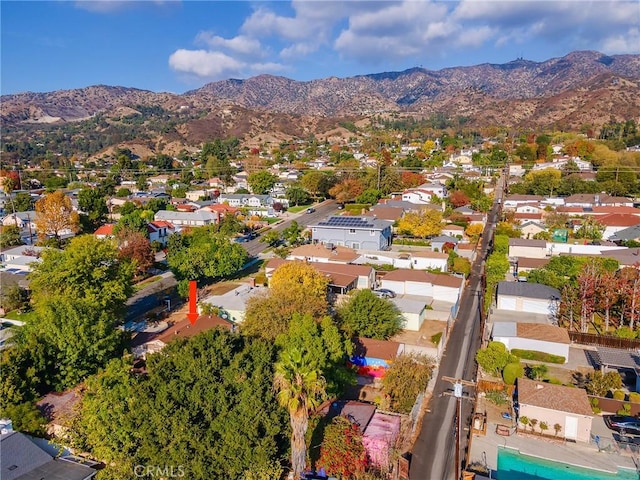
x,y
193,302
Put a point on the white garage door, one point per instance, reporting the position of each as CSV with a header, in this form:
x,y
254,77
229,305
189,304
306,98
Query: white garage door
x,y
419,288
445,294
506,302
535,306
571,428
397,287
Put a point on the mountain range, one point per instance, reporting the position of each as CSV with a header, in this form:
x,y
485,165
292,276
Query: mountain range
x,y
583,87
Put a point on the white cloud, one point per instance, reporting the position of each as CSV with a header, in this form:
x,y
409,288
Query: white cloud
x,y
240,44
623,43
205,64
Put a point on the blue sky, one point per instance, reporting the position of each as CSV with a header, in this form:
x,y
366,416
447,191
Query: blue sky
x,y
176,46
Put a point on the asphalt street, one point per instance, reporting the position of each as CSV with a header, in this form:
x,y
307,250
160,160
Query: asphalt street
x,y
433,455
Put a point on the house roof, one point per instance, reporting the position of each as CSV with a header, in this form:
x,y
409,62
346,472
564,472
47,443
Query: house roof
x,y
445,239
524,242
554,397
357,223
184,329
411,275
629,233
524,198
543,332
384,212
453,228
336,254
525,262
618,220
21,459
528,290
169,215
369,347
357,412
527,216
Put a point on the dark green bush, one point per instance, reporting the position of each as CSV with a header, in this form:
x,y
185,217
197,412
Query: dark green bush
x,y
538,356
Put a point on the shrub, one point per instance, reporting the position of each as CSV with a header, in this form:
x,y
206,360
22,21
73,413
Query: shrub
x,y
595,405
625,410
511,372
493,358
497,397
619,395
538,356
634,397
435,339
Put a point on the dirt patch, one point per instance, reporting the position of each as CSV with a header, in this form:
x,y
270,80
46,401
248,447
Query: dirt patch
x,y
220,288
423,336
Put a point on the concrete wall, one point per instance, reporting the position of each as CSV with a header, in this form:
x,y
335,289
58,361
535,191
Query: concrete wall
x,y
553,348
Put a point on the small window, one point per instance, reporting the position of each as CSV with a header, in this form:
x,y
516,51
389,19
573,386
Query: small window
x,y
352,230
372,232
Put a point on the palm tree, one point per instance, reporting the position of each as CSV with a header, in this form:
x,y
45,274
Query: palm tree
x,y
557,427
300,389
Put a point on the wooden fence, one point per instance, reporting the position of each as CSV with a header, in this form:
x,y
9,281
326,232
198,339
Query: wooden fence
x,y
604,340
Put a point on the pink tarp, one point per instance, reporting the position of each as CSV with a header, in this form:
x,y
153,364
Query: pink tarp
x,y
380,436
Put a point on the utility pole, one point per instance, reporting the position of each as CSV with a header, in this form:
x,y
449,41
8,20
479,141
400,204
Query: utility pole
x,y
458,385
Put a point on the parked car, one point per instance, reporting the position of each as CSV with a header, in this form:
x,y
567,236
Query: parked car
x,y
341,206
311,210
622,424
384,293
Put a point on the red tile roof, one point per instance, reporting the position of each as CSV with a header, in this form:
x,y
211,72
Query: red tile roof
x,y
184,328
106,230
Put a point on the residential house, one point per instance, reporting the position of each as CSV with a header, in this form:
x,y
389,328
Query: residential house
x,y
528,297
524,264
626,234
198,218
233,304
19,259
527,217
342,277
145,343
246,200
539,337
530,229
419,260
596,199
438,243
159,231
22,459
23,220
367,233
385,212
521,247
446,288
614,222
426,260
511,202
321,253
221,209
452,230
424,193
553,404
105,231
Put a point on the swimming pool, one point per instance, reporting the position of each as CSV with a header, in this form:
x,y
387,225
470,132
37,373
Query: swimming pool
x,y
513,465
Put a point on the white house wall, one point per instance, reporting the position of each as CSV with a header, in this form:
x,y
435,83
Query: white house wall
x,y
552,417
445,294
552,348
506,303
396,286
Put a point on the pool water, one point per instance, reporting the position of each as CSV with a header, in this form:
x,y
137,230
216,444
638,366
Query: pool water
x,y
513,465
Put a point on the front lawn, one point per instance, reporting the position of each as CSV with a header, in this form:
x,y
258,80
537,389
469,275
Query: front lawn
x,y
23,317
297,209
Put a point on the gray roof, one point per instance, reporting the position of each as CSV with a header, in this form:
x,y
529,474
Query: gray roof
x,y
357,223
524,242
21,459
629,233
615,357
445,239
528,290
504,329
169,215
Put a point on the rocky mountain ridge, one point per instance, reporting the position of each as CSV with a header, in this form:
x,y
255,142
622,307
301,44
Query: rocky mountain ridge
x,y
581,87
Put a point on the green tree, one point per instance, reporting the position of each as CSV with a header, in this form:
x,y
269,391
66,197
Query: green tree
x,y
599,384
79,296
325,346
297,196
300,389
369,196
10,236
511,372
493,357
407,377
316,183
201,255
22,202
93,208
123,418
271,238
261,182
368,315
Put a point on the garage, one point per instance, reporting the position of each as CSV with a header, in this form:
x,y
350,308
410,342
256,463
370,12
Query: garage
x,y
506,303
535,305
527,297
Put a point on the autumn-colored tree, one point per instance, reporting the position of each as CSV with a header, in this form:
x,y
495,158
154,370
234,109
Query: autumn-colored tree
x,y
342,452
55,214
421,224
346,190
588,281
411,179
136,247
630,293
295,287
459,198
607,295
474,231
